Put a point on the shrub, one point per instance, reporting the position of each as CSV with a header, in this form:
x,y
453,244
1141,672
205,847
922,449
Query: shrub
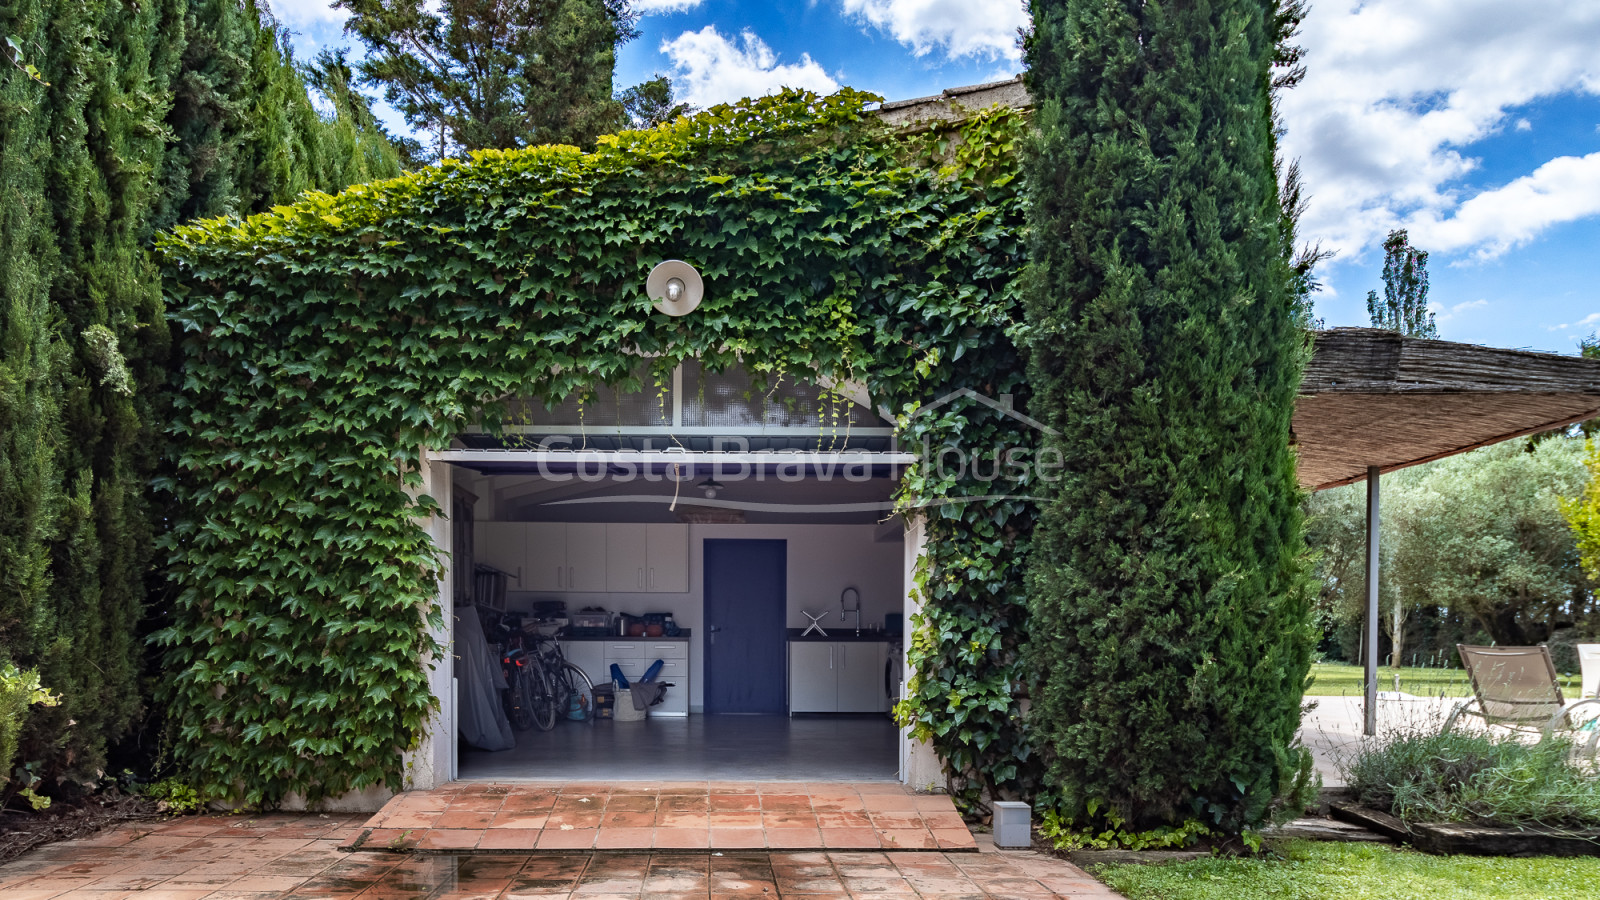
x,y
172,795
19,690
1480,778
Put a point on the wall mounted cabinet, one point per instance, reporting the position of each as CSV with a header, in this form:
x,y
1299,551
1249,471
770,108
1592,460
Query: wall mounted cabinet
x,y
586,557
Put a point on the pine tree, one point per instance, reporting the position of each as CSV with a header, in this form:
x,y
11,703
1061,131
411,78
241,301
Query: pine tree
x,y
495,74
357,135
1404,307
1167,586
651,103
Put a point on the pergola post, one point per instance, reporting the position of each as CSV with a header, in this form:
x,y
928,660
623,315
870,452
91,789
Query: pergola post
x,y
1370,698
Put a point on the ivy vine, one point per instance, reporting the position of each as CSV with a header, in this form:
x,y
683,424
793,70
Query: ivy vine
x,y
327,345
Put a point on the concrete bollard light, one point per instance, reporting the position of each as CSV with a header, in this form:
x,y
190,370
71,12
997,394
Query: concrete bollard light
x,y
1013,824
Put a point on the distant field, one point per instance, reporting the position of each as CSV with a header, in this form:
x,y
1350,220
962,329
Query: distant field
x,y
1340,680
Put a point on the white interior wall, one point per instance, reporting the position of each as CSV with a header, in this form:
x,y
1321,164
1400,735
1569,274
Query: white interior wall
x,y
823,560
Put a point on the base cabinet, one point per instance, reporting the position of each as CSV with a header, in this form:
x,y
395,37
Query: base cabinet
x,y
813,677
861,677
590,656
837,676
633,657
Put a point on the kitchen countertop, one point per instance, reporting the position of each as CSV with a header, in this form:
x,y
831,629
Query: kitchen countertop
x,y
619,637
843,634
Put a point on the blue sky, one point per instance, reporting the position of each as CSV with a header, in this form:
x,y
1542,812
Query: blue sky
x,y
1474,123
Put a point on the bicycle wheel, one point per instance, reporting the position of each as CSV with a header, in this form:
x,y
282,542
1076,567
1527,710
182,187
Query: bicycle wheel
x,y
543,698
580,682
519,698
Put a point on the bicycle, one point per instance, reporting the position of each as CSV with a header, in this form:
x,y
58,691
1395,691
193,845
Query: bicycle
x,y
529,696
556,681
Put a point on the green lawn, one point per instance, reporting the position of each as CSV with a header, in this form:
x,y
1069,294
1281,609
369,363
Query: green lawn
x,y
1340,680
1304,870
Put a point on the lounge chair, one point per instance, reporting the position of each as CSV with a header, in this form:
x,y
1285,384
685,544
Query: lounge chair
x,y
1589,663
1517,687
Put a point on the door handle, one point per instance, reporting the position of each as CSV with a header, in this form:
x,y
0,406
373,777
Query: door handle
x,y
641,576
714,629
830,655
558,577
652,578
572,580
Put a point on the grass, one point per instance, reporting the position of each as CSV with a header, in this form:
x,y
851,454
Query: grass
x,y
1305,870
1340,680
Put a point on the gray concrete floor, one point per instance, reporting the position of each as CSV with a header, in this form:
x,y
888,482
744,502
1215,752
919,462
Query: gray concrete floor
x,y
1332,731
698,748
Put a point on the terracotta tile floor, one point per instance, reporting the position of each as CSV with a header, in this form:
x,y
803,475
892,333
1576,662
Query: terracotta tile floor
x,y
297,856
678,816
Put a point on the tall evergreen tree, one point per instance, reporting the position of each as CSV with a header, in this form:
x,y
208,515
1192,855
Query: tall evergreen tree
x,y
1168,591
1404,307
495,74
651,103
117,118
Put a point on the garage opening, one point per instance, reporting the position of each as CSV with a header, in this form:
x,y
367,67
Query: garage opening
x,y
728,557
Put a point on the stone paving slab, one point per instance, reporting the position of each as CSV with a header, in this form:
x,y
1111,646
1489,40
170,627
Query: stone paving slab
x,y
297,857
468,816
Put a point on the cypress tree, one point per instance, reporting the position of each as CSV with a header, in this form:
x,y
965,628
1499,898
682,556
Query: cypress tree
x,y
1167,581
133,116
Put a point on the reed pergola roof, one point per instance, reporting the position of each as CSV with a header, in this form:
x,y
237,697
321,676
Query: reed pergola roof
x,y
1376,398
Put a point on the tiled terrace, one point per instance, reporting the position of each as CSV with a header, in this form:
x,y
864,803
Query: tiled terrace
x,y
678,816
296,857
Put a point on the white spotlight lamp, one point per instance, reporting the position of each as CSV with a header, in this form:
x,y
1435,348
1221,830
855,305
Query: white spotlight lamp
x,y
675,287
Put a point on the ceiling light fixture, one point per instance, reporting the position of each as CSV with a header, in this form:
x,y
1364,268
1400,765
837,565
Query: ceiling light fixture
x,y
710,486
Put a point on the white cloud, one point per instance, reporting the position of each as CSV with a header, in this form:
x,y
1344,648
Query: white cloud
x,y
981,28
1443,314
1562,190
1524,125
711,69
307,12
1586,321
649,7
1397,92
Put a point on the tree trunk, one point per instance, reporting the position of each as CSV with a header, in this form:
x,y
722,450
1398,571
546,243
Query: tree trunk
x,y
1397,632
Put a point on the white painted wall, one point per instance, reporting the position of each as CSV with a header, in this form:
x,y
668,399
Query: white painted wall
x,y
430,763
919,764
823,561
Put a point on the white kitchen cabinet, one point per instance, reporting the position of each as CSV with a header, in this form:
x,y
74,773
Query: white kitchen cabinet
x,y
634,657
837,676
590,656
545,552
626,557
667,559
861,676
502,545
676,702
586,557
813,676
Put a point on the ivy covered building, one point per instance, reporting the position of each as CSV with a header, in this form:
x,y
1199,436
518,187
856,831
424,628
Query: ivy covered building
x,y
410,407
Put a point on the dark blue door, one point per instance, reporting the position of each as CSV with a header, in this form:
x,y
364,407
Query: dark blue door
x,y
746,614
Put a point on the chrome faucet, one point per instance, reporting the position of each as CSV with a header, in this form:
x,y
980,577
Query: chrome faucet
x,y
850,602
